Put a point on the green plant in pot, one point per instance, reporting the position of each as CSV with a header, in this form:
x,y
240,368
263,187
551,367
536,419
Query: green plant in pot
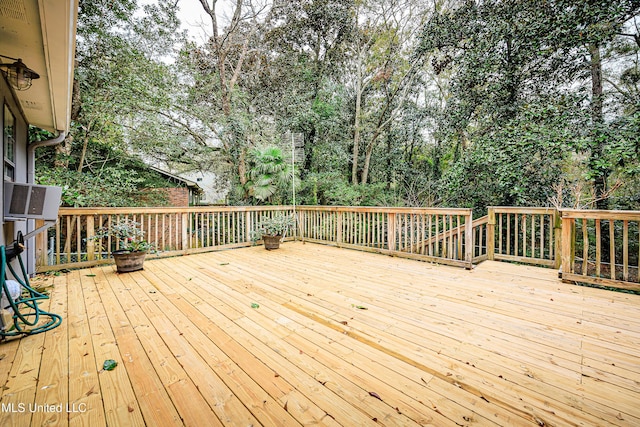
x,y
126,243
271,230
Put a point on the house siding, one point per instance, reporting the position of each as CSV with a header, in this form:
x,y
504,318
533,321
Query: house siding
x,y
9,229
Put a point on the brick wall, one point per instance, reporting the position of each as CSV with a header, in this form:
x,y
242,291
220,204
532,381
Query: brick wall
x,y
178,196
175,197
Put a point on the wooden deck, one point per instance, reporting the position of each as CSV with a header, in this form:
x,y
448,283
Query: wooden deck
x,y
312,334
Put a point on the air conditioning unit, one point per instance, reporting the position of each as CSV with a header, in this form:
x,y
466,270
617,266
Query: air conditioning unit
x,y
31,201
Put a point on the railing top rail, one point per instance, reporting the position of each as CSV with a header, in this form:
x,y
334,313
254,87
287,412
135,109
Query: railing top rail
x,y
480,221
600,214
522,210
161,210
408,210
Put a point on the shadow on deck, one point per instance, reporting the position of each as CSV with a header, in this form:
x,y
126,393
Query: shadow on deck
x,y
313,334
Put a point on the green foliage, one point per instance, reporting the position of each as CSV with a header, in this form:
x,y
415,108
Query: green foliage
x,y
331,188
518,111
112,187
125,235
269,174
110,178
276,225
516,165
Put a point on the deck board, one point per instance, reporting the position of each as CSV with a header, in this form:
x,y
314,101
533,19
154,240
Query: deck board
x,y
502,344
54,364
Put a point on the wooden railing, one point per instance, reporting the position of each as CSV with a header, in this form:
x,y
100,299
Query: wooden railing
x,y
398,231
525,235
480,239
601,247
172,230
439,235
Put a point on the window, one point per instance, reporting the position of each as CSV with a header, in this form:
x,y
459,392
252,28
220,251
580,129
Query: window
x,y
9,143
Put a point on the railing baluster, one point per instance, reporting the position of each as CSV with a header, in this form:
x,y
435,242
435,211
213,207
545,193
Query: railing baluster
x,y
459,238
500,237
612,249
533,236
58,234
585,247
509,234
451,247
524,235
542,221
598,248
436,248
625,250
516,244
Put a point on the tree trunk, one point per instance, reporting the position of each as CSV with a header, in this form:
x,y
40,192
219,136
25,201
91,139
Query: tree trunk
x,y
601,175
367,156
229,75
242,166
83,153
390,158
383,121
356,125
63,151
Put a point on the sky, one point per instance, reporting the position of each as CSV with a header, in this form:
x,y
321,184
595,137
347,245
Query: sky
x,y
194,19
197,22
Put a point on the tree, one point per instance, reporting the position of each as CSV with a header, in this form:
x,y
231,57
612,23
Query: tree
x,y
307,41
382,70
268,173
506,56
226,52
590,26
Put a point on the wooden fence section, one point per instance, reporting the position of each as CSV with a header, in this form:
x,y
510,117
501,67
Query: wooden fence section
x,y
171,230
435,234
481,239
601,247
525,235
400,231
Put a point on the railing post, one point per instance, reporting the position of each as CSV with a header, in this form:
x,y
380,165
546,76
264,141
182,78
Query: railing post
x,y
247,226
90,242
302,217
468,240
567,245
391,231
557,236
339,228
41,245
185,235
491,233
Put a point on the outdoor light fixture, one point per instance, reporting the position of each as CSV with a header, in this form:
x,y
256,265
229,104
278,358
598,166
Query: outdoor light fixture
x,y
18,74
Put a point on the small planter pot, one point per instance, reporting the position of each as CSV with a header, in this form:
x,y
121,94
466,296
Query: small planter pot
x,y
127,261
271,242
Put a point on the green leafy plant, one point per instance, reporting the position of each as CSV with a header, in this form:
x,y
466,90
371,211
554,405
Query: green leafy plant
x,y
276,225
268,174
125,235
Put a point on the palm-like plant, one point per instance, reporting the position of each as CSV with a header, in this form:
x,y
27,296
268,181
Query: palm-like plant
x,y
268,172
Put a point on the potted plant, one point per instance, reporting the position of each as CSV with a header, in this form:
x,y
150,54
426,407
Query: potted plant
x,y
128,246
271,229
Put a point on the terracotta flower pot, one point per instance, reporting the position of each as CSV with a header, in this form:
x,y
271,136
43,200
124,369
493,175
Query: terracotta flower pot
x,y
127,261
